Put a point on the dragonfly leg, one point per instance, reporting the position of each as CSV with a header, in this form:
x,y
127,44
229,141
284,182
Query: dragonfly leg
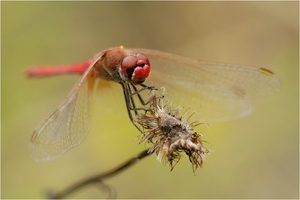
x,y
138,91
130,92
130,105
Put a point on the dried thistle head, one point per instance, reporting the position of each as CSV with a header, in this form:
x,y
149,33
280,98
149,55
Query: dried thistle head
x,y
169,133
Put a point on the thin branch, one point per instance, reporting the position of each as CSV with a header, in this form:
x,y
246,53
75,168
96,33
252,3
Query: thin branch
x,y
100,177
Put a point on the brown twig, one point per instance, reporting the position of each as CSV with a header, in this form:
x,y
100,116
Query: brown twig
x,y
99,178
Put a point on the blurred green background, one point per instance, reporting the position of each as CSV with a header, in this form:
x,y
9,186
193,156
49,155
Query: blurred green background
x,y
253,157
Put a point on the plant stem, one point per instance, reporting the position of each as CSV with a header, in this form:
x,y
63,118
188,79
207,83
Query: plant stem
x,y
100,177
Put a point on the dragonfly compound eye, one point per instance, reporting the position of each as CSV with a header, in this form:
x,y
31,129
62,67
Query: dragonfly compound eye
x,y
135,68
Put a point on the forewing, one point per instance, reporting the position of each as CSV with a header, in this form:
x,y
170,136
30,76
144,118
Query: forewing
x,y
218,91
67,126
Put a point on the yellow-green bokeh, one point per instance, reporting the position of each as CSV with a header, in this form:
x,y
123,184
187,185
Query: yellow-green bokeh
x,y
253,157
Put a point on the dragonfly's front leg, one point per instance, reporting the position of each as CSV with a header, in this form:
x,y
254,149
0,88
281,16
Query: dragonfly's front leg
x,y
130,91
138,91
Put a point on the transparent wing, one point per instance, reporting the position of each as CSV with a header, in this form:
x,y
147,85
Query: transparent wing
x,y
67,126
218,91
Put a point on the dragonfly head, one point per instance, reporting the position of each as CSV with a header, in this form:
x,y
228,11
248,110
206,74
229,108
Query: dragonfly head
x,y
135,68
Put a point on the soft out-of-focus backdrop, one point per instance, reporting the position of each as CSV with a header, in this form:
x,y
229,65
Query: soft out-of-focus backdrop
x,y
253,157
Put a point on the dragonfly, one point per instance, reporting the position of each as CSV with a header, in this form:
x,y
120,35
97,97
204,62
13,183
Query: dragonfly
x,y
220,91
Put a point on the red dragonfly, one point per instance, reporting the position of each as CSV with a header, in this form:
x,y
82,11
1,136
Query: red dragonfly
x,y
219,91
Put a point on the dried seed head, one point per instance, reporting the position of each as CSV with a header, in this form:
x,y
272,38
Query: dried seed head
x,y
169,134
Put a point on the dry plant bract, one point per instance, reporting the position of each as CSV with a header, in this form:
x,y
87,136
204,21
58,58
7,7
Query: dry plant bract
x,y
168,133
